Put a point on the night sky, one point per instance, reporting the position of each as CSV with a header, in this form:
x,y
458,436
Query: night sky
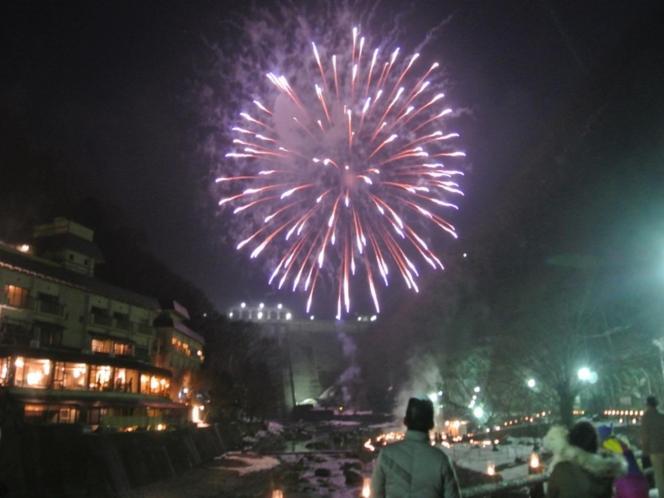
x,y
564,129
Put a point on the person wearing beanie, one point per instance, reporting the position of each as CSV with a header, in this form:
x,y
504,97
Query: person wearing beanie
x,y
412,468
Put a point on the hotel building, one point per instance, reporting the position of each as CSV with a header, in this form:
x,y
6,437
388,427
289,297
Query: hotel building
x,y
75,349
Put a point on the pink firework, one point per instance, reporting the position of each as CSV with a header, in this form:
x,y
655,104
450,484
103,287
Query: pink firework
x,y
340,173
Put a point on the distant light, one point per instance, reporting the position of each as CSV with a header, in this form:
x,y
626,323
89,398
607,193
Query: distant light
x,y
366,487
289,316
243,305
279,306
478,412
23,248
584,374
230,315
440,393
311,317
259,315
373,318
261,305
204,315
531,383
359,318
433,397
534,461
476,389
465,254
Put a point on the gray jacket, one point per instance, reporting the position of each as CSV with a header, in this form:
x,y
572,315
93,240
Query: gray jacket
x,y
652,432
412,468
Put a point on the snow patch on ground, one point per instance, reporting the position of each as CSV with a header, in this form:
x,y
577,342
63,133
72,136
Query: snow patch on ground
x,y
478,458
246,463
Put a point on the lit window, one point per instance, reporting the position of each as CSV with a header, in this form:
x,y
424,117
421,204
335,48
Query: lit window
x,y
100,377
101,345
123,348
70,375
17,297
151,384
32,372
4,371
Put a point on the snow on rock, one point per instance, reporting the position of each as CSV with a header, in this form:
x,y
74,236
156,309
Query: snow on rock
x,y
275,427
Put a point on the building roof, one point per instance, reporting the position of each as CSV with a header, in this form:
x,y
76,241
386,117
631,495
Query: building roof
x,y
71,242
165,320
23,263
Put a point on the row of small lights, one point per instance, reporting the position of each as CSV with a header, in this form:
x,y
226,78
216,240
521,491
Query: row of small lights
x,y
531,418
260,315
623,413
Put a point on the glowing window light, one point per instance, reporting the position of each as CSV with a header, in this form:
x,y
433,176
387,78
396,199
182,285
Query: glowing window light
x,y
19,362
259,315
34,378
289,315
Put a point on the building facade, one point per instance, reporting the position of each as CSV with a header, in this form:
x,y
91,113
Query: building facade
x,y
314,353
75,349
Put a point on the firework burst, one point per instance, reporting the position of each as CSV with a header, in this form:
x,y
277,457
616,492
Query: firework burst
x,y
343,171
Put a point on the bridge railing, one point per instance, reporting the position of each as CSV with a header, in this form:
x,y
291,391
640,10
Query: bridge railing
x,y
534,484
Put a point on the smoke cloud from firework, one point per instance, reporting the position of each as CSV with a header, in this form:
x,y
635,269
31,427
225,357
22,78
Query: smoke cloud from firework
x,y
341,161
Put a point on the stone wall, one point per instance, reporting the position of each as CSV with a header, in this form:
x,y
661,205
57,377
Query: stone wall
x,y
63,462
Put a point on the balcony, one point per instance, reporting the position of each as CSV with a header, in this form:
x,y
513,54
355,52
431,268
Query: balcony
x,y
52,308
25,303
99,319
144,328
124,324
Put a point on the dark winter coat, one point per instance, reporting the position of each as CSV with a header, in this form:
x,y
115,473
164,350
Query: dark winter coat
x,y
652,432
577,473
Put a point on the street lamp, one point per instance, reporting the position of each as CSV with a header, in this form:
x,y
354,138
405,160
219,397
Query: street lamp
x,y
531,383
585,374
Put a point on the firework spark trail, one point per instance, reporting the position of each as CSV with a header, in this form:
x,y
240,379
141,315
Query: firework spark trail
x,y
341,191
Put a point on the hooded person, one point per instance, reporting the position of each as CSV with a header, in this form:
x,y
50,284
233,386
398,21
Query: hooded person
x,y
579,471
412,468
